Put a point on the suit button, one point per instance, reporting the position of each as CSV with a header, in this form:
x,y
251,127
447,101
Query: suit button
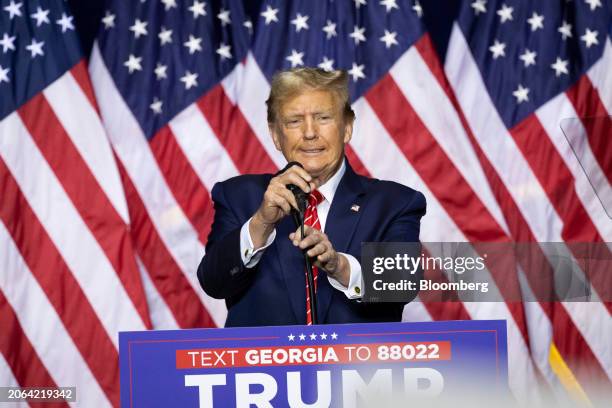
x,y
234,270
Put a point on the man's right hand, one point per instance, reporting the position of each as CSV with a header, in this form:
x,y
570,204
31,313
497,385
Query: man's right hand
x,y
277,203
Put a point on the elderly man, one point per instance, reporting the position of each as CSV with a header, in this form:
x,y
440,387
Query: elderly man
x,y
253,257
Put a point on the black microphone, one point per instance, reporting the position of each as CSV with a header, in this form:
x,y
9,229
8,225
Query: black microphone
x,y
298,218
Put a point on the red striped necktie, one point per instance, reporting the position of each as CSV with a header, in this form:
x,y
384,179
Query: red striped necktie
x,y
311,218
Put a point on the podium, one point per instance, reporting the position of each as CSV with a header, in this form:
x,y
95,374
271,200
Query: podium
x,y
311,366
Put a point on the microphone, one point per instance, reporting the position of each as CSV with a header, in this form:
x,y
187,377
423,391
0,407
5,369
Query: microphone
x,y
298,218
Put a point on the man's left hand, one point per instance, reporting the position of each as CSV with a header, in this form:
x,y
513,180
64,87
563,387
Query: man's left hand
x,y
323,252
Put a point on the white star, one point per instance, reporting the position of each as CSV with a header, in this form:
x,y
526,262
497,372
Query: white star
x,y
139,28
36,48
302,337
356,72
479,6
14,9
4,74
7,43
169,4
593,3
334,336
190,80
224,51
295,58
300,22
160,71
133,63
224,16
108,20
389,39
528,57
198,9
165,35
327,64
505,13
156,106
193,44
65,22
565,30
323,336
536,21
330,29
389,4
41,16
418,9
291,337
249,26
313,336
521,94
498,49
270,15
590,38
358,34
560,67
359,3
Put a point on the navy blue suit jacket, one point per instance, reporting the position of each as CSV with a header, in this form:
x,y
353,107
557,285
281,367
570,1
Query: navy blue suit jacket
x,y
273,292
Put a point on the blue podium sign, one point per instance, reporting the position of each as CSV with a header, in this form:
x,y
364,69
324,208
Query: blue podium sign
x,y
315,366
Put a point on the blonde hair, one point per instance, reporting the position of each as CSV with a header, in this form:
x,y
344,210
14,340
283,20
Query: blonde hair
x,y
292,82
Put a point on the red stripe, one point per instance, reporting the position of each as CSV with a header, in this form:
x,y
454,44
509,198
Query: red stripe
x,y
81,76
188,190
355,161
89,199
171,283
556,179
25,363
437,310
558,183
430,161
234,133
596,120
567,338
55,278
452,191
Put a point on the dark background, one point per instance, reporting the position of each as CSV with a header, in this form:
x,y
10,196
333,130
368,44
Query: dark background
x,y
438,16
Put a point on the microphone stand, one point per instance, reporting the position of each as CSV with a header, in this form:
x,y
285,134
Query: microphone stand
x,y
298,219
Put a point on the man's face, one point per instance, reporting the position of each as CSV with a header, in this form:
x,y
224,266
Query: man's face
x,y
310,129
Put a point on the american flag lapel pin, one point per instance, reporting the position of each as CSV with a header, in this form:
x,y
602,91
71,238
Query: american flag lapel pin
x,y
355,208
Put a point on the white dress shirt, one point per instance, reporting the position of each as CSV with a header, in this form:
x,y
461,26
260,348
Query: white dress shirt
x,y
251,256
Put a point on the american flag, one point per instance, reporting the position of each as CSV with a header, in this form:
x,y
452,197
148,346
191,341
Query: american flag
x,y
104,222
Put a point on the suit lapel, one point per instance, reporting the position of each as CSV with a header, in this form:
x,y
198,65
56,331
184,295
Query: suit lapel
x,y
340,227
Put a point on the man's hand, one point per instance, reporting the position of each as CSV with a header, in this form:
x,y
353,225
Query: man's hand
x,y
323,252
277,203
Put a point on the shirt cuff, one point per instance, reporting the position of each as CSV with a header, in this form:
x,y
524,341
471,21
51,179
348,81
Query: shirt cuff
x,y
251,256
354,289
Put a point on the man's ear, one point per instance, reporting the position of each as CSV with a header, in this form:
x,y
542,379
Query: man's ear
x,y
348,131
275,135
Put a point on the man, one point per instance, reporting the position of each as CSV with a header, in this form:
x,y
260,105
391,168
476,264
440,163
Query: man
x,y
253,257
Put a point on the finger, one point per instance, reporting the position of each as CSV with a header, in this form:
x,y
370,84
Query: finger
x,y
317,250
286,194
300,171
296,179
311,240
325,257
280,202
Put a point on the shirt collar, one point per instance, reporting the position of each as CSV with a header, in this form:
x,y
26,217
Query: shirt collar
x,y
328,189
